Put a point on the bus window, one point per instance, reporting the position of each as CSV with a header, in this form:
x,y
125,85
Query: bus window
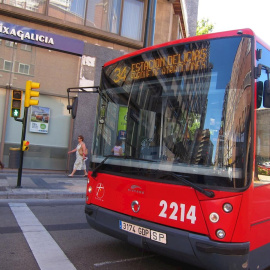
x,y
185,106
262,169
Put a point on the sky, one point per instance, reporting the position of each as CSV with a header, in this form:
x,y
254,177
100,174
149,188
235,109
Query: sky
x,y
237,14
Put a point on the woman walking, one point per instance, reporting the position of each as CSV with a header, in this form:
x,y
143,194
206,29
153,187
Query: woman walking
x,y
79,163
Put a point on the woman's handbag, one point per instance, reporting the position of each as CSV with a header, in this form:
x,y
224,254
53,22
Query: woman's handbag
x,y
81,151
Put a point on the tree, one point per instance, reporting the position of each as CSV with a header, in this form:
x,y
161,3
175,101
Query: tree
x,y
204,27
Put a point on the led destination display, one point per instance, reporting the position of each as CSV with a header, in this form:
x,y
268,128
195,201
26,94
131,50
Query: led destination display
x,y
180,62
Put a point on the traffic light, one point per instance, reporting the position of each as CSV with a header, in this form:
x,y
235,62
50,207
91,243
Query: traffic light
x,y
25,146
30,93
16,103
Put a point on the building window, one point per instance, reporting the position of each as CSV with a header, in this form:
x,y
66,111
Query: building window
x,y
97,14
10,43
7,65
32,5
24,69
124,18
132,19
68,10
26,47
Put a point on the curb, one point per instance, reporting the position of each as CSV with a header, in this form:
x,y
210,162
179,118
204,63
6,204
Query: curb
x,y
41,195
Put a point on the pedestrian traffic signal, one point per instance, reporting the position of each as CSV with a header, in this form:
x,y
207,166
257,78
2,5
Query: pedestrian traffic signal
x,y
25,146
16,103
30,93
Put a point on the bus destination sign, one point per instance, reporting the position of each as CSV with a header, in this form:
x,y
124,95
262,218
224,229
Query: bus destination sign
x,y
176,63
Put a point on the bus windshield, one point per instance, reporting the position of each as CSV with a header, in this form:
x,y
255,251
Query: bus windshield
x,y
183,109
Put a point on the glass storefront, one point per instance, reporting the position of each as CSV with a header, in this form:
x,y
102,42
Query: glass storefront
x,y
55,71
47,150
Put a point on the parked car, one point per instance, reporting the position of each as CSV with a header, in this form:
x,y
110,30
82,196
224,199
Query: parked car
x,y
266,164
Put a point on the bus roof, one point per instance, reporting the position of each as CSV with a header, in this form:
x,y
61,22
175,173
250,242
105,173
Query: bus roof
x,y
231,33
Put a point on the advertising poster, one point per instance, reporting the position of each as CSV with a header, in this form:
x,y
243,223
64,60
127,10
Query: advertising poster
x,y
122,119
39,119
87,75
122,125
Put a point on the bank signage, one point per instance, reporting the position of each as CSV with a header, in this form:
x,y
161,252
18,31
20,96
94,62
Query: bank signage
x,y
40,38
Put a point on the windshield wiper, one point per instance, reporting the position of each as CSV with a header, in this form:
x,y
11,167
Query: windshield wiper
x,y
207,193
94,173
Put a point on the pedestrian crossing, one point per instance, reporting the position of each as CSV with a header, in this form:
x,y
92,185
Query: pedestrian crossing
x,y
46,251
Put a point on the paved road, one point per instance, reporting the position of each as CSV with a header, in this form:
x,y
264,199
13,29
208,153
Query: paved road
x,y
53,234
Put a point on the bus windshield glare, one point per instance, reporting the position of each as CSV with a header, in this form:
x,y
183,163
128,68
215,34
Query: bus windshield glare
x,y
183,109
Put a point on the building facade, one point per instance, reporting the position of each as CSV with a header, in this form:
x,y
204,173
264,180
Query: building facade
x,y
63,44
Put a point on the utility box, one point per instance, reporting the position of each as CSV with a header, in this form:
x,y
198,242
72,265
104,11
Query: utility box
x,y
14,158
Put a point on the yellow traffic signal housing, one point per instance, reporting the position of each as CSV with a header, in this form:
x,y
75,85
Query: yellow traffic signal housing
x,y
16,103
25,146
30,93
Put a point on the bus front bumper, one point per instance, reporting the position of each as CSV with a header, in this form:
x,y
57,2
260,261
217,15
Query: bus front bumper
x,y
181,245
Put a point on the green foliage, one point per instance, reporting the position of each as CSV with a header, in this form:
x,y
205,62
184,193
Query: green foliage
x,y
193,129
204,27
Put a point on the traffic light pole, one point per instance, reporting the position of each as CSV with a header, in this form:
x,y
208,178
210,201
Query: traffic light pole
x,y
27,102
24,122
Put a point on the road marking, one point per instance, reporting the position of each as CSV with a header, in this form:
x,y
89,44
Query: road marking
x,y
124,260
47,253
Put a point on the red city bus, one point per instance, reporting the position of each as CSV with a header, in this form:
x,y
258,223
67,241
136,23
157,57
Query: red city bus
x,y
192,120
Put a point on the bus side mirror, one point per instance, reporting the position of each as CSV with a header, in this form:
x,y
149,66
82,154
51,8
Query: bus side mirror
x,y
259,93
73,107
266,94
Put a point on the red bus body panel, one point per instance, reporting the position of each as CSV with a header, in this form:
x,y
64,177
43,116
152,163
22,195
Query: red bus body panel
x,y
176,206
117,194
260,219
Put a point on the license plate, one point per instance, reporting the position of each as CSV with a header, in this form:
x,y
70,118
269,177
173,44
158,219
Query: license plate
x,y
144,232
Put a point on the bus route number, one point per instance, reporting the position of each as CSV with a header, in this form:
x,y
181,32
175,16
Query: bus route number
x,y
173,212
120,74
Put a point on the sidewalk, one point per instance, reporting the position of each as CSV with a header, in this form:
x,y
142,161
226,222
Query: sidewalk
x,y
41,185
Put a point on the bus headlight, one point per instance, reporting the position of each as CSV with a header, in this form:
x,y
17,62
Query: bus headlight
x,y
214,217
227,207
90,189
220,234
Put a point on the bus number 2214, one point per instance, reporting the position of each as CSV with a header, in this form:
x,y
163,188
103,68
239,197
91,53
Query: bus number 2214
x,y
174,213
